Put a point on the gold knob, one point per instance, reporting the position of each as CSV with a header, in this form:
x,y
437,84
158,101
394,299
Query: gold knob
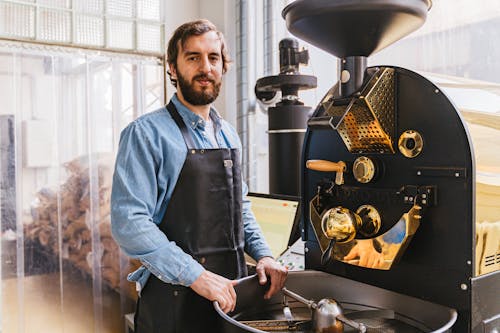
x,y
340,224
410,143
363,169
370,220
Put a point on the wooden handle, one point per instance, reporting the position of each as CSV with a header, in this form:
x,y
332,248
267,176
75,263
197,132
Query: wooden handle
x,y
326,166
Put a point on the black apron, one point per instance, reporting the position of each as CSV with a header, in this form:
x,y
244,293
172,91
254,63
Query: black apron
x,y
204,218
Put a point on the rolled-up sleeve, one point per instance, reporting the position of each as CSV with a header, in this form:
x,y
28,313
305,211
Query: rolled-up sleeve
x,y
133,201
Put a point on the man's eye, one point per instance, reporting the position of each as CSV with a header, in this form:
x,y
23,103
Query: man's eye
x,y
193,58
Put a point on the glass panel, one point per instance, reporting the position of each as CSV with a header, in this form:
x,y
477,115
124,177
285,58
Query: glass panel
x,y
148,9
153,78
54,3
88,6
17,20
55,25
120,34
122,8
149,37
89,30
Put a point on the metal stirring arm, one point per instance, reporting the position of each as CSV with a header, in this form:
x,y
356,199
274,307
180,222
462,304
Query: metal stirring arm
x,y
309,303
313,305
359,326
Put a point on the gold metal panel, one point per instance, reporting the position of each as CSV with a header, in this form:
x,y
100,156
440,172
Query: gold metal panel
x,y
381,252
334,110
367,123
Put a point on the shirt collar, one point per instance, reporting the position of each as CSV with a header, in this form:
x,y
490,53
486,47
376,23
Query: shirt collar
x,y
192,119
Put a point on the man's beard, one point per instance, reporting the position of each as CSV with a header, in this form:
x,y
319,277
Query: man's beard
x,y
193,97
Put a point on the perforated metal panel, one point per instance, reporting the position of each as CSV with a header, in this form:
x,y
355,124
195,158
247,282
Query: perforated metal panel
x,y
380,100
368,122
123,25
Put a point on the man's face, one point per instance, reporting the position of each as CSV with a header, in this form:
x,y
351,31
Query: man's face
x,y
199,69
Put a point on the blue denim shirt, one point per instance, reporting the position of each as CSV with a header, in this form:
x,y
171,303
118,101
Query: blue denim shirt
x,y
150,157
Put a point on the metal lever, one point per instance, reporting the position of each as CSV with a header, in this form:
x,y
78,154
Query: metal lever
x,y
329,166
286,310
325,256
309,303
314,306
359,326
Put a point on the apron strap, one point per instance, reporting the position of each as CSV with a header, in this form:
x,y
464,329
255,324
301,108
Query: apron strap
x,y
182,126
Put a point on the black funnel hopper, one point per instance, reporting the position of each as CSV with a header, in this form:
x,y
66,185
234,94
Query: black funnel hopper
x,y
354,29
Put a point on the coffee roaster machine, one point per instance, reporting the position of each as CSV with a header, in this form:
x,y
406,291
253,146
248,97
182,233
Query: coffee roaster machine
x,y
391,202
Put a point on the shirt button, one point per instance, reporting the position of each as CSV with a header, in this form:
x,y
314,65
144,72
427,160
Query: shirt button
x,y
203,260
176,293
193,123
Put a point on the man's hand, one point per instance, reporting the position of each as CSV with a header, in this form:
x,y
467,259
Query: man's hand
x,y
216,288
269,267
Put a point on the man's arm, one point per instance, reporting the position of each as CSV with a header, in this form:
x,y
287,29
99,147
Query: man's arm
x,y
133,201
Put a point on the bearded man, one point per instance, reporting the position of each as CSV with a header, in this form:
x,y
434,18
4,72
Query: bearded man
x,y
178,201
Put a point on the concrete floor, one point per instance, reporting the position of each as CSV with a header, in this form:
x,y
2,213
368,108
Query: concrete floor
x,y
39,304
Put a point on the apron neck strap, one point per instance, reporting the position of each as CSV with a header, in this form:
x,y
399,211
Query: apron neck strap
x,y
182,126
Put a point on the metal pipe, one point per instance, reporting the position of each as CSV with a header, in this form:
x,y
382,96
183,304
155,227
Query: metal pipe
x,y
269,34
351,74
242,103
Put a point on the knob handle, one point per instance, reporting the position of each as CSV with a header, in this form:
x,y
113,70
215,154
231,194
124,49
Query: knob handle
x,y
328,166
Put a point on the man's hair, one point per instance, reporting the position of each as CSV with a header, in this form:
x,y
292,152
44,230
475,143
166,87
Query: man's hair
x,y
194,28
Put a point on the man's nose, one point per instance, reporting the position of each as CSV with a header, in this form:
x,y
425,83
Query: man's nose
x,y
205,66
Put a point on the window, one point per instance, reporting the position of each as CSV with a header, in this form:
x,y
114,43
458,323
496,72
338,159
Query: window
x,y
123,25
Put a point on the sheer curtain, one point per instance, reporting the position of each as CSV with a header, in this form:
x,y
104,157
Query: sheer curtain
x,y
61,114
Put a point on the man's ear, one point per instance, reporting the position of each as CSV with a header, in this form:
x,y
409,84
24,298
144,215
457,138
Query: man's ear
x,y
173,71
